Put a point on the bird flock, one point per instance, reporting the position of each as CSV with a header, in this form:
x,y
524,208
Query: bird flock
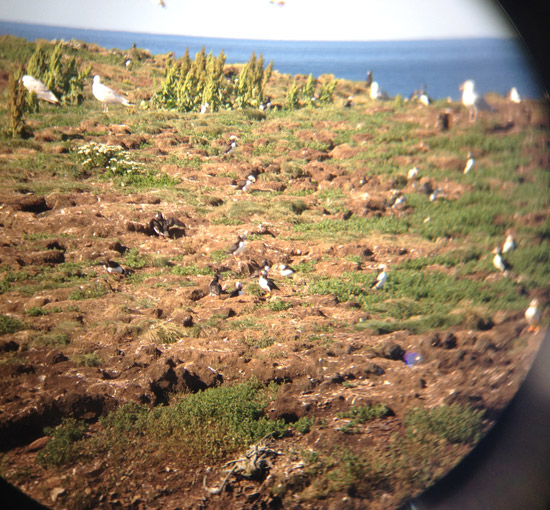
x,y
163,227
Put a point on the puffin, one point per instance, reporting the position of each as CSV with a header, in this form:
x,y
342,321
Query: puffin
x,y
533,315
266,283
286,271
381,278
500,263
231,146
470,162
113,267
237,248
238,290
509,244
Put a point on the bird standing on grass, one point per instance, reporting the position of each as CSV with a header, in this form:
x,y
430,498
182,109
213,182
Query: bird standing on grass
x,y
500,263
413,174
286,271
41,91
381,278
113,267
469,163
266,283
533,315
472,100
509,244
231,146
107,95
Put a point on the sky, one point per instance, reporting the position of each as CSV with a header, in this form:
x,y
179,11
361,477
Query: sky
x,y
346,20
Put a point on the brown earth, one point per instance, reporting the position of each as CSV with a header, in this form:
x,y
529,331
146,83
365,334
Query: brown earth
x,y
482,364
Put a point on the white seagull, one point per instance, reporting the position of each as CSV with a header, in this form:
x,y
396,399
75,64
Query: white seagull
x,y
469,163
41,91
532,315
381,278
107,95
376,92
472,100
514,96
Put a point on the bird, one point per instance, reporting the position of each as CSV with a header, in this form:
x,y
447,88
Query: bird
x,y
381,278
500,263
266,283
113,267
469,163
161,226
205,108
472,100
42,92
214,288
509,244
368,79
433,196
514,96
236,248
376,92
265,105
107,95
286,271
400,202
263,230
231,146
413,174
238,290
348,102
532,315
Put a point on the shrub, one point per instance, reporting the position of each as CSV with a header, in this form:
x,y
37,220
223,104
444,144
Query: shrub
x,y
62,448
10,325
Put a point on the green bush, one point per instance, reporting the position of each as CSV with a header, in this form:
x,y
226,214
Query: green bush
x,y
10,325
62,448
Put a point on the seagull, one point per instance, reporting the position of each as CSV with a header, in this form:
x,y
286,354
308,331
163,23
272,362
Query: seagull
x,y
532,315
41,91
107,95
381,278
413,174
509,244
472,100
469,163
286,271
231,146
214,288
238,290
376,92
114,267
266,283
514,96
498,261
237,248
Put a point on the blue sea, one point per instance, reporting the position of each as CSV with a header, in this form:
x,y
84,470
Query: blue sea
x,y
400,67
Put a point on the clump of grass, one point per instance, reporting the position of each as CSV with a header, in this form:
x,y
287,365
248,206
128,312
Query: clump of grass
x,y
93,291
455,423
90,359
63,446
278,305
36,311
209,424
360,415
164,333
10,325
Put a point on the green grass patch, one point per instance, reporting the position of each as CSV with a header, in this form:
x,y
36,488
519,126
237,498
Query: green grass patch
x,y
10,325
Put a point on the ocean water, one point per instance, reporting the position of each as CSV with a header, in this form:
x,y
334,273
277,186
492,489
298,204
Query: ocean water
x,y
400,67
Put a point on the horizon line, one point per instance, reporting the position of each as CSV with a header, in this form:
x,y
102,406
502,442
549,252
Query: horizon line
x,y
433,38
